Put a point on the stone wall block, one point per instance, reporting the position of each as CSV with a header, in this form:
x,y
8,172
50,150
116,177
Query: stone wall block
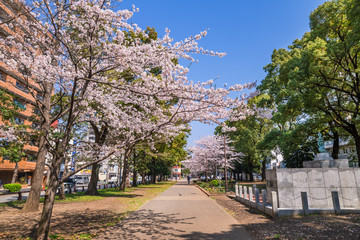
x,y
350,198
357,176
286,197
318,198
332,178
347,178
284,178
300,178
315,178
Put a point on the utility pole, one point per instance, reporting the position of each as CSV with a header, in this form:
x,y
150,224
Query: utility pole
x,y
226,185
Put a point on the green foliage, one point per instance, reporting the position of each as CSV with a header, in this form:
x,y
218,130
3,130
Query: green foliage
x,y
247,137
313,83
214,183
13,187
303,154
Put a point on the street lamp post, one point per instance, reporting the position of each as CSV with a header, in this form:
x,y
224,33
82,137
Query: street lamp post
x,y
226,183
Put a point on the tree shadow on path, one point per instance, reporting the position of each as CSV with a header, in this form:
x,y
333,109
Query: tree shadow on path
x,y
237,232
147,224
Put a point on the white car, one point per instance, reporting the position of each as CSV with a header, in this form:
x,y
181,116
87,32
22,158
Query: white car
x,y
113,180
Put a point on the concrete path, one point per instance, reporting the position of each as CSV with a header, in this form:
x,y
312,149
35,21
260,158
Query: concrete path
x,y
180,212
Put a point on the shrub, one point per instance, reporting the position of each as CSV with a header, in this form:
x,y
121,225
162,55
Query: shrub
x,y
195,181
214,183
203,184
13,187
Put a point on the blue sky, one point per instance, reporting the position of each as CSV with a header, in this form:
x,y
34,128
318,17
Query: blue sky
x,y
248,31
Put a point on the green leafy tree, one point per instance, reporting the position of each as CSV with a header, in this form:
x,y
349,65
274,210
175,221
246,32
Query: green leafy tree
x,y
247,137
314,84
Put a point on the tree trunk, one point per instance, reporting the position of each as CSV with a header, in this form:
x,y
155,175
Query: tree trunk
x,y
134,184
62,195
125,174
32,202
251,169
357,144
143,182
92,186
15,174
263,170
153,173
336,146
44,223
62,192
206,176
135,174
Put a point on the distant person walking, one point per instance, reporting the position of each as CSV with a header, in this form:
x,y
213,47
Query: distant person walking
x,y
188,178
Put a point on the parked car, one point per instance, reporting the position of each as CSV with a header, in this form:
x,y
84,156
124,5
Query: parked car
x,y
82,179
113,180
68,183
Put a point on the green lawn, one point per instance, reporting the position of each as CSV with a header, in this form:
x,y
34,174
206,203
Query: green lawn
x,y
151,189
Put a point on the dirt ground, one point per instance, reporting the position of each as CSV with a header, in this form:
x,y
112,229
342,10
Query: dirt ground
x,y
67,218
74,220
309,227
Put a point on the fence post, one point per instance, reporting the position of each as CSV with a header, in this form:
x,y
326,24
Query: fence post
x,y
264,200
236,190
336,202
257,197
274,202
240,191
251,195
245,192
305,203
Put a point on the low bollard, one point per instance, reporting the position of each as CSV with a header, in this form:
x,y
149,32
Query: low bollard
x,y
257,197
251,195
305,203
274,202
336,202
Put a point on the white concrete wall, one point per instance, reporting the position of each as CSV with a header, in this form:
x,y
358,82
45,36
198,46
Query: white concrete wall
x,y
318,183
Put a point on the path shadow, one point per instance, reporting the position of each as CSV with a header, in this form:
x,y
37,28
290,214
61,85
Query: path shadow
x,y
147,224
236,232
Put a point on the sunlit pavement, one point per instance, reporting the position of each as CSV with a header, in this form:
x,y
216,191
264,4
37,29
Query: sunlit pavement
x,y
180,212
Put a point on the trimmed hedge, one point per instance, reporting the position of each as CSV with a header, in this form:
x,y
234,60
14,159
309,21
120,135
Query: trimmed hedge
x,y
13,187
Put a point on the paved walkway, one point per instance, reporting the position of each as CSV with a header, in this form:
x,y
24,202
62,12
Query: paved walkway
x,y
180,212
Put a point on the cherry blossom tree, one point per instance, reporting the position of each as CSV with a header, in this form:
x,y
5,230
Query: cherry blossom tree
x,y
208,155
79,51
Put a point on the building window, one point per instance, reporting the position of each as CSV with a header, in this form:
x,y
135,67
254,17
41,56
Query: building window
x,y
39,97
20,104
2,77
21,87
19,121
